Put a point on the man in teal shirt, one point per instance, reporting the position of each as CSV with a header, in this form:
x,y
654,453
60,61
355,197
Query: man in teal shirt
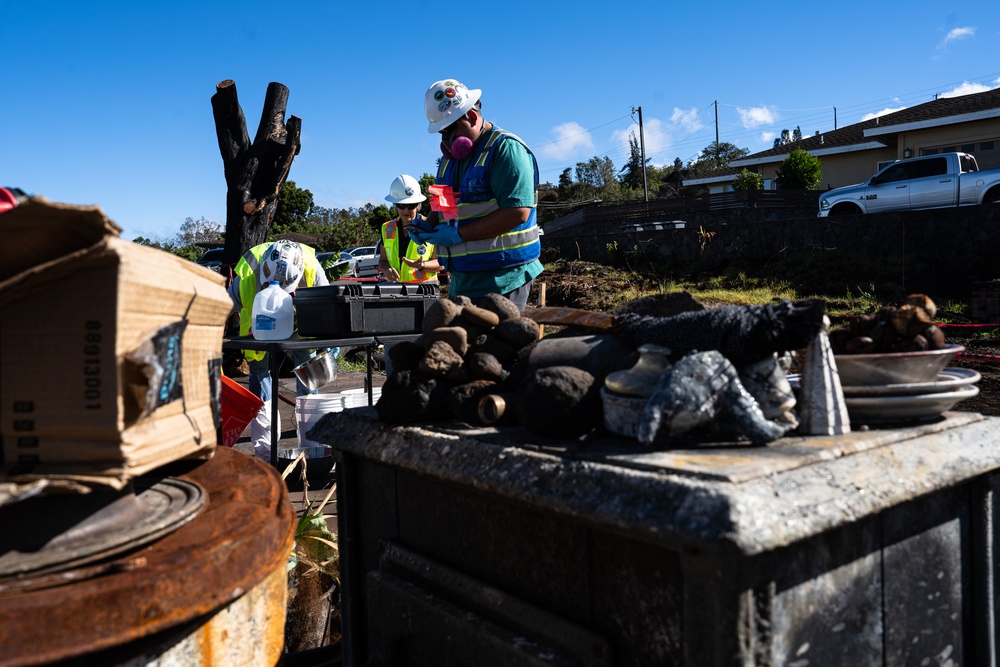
x,y
491,245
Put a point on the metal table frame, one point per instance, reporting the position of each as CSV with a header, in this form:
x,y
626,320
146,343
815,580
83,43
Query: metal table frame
x,y
296,342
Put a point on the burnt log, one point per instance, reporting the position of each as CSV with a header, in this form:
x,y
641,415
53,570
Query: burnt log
x,y
255,172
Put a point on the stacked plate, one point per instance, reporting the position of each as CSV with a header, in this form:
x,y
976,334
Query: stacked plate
x,y
910,401
903,386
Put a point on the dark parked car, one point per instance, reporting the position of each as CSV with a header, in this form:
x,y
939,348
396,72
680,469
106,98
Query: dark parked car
x,y
212,259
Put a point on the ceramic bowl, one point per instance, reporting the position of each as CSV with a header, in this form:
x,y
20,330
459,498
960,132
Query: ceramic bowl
x,y
862,370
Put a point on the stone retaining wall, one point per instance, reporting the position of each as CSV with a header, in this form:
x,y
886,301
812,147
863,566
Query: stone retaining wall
x,y
941,251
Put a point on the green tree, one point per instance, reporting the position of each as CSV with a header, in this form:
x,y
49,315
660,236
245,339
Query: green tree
x,y
425,182
715,156
293,212
598,179
199,231
748,180
801,170
566,178
632,173
788,137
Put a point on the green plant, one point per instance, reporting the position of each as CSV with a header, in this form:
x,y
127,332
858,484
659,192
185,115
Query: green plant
x,y
748,180
313,573
801,170
704,238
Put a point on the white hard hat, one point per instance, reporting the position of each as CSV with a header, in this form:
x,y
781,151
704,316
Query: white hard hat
x,y
446,101
405,190
283,262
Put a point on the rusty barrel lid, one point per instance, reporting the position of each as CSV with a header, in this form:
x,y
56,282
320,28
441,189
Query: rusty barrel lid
x,y
244,532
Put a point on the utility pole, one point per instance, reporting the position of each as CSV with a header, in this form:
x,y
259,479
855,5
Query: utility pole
x,y
835,118
716,124
642,148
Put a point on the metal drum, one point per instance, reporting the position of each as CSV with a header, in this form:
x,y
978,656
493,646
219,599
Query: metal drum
x,y
211,592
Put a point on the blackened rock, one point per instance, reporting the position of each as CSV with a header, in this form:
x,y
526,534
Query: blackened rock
x,y
484,366
405,356
598,355
490,344
500,305
439,360
518,331
559,401
463,401
409,397
456,337
479,317
442,313
661,305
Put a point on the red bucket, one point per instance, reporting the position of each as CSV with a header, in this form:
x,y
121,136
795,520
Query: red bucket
x,y
239,407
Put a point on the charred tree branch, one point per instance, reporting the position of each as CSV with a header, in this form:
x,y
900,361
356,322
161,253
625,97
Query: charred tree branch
x,y
254,172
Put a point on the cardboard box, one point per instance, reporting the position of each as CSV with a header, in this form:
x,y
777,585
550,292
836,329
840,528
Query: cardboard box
x,y
111,351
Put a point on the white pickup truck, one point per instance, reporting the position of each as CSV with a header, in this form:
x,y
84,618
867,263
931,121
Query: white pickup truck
x,y
931,181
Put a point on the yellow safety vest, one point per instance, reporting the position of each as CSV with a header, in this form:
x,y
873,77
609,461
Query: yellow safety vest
x,y
407,273
246,271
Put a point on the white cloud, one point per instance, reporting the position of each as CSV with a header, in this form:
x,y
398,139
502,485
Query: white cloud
x,y
686,119
571,139
883,112
966,88
768,137
757,116
653,136
657,135
956,34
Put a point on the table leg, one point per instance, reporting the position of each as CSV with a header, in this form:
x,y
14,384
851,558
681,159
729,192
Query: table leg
x,y
368,379
273,359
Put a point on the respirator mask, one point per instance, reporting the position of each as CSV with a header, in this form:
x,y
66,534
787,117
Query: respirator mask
x,y
455,148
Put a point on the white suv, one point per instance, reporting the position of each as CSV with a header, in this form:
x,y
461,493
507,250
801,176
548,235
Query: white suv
x,y
367,267
354,255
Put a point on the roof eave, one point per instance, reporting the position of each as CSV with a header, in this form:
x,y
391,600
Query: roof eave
x,y
932,122
725,178
817,152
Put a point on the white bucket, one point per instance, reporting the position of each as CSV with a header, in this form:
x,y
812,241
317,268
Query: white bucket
x,y
310,409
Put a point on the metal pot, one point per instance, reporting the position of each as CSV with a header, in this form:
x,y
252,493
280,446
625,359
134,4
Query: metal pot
x,y
317,371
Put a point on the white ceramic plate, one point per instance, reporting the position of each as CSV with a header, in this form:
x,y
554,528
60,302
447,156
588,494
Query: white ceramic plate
x,y
947,379
916,407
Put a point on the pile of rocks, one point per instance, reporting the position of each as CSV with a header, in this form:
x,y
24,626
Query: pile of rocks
x,y
473,357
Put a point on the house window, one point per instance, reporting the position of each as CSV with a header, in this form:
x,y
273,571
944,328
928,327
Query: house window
x,y
929,151
968,148
986,145
883,164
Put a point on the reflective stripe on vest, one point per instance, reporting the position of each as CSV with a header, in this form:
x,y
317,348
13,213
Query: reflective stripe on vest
x,y
477,200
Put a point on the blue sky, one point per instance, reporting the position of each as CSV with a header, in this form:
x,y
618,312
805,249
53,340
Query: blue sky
x,y
109,103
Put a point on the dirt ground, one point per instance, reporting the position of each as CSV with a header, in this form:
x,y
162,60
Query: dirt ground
x,y
988,400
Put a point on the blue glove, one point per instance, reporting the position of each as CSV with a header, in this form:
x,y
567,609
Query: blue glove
x,y
444,236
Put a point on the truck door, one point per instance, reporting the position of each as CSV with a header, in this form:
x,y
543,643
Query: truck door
x,y
931,184
889,190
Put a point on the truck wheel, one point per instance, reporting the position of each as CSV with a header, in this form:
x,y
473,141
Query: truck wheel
x,y
992,196
845,209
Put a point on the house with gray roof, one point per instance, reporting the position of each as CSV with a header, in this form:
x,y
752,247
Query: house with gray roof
x,y
852,154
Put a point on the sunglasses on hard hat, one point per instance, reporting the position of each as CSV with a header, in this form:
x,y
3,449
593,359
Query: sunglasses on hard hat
x,y
407,207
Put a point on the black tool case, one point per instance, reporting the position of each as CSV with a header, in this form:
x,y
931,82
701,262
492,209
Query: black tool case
x,y
345,308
